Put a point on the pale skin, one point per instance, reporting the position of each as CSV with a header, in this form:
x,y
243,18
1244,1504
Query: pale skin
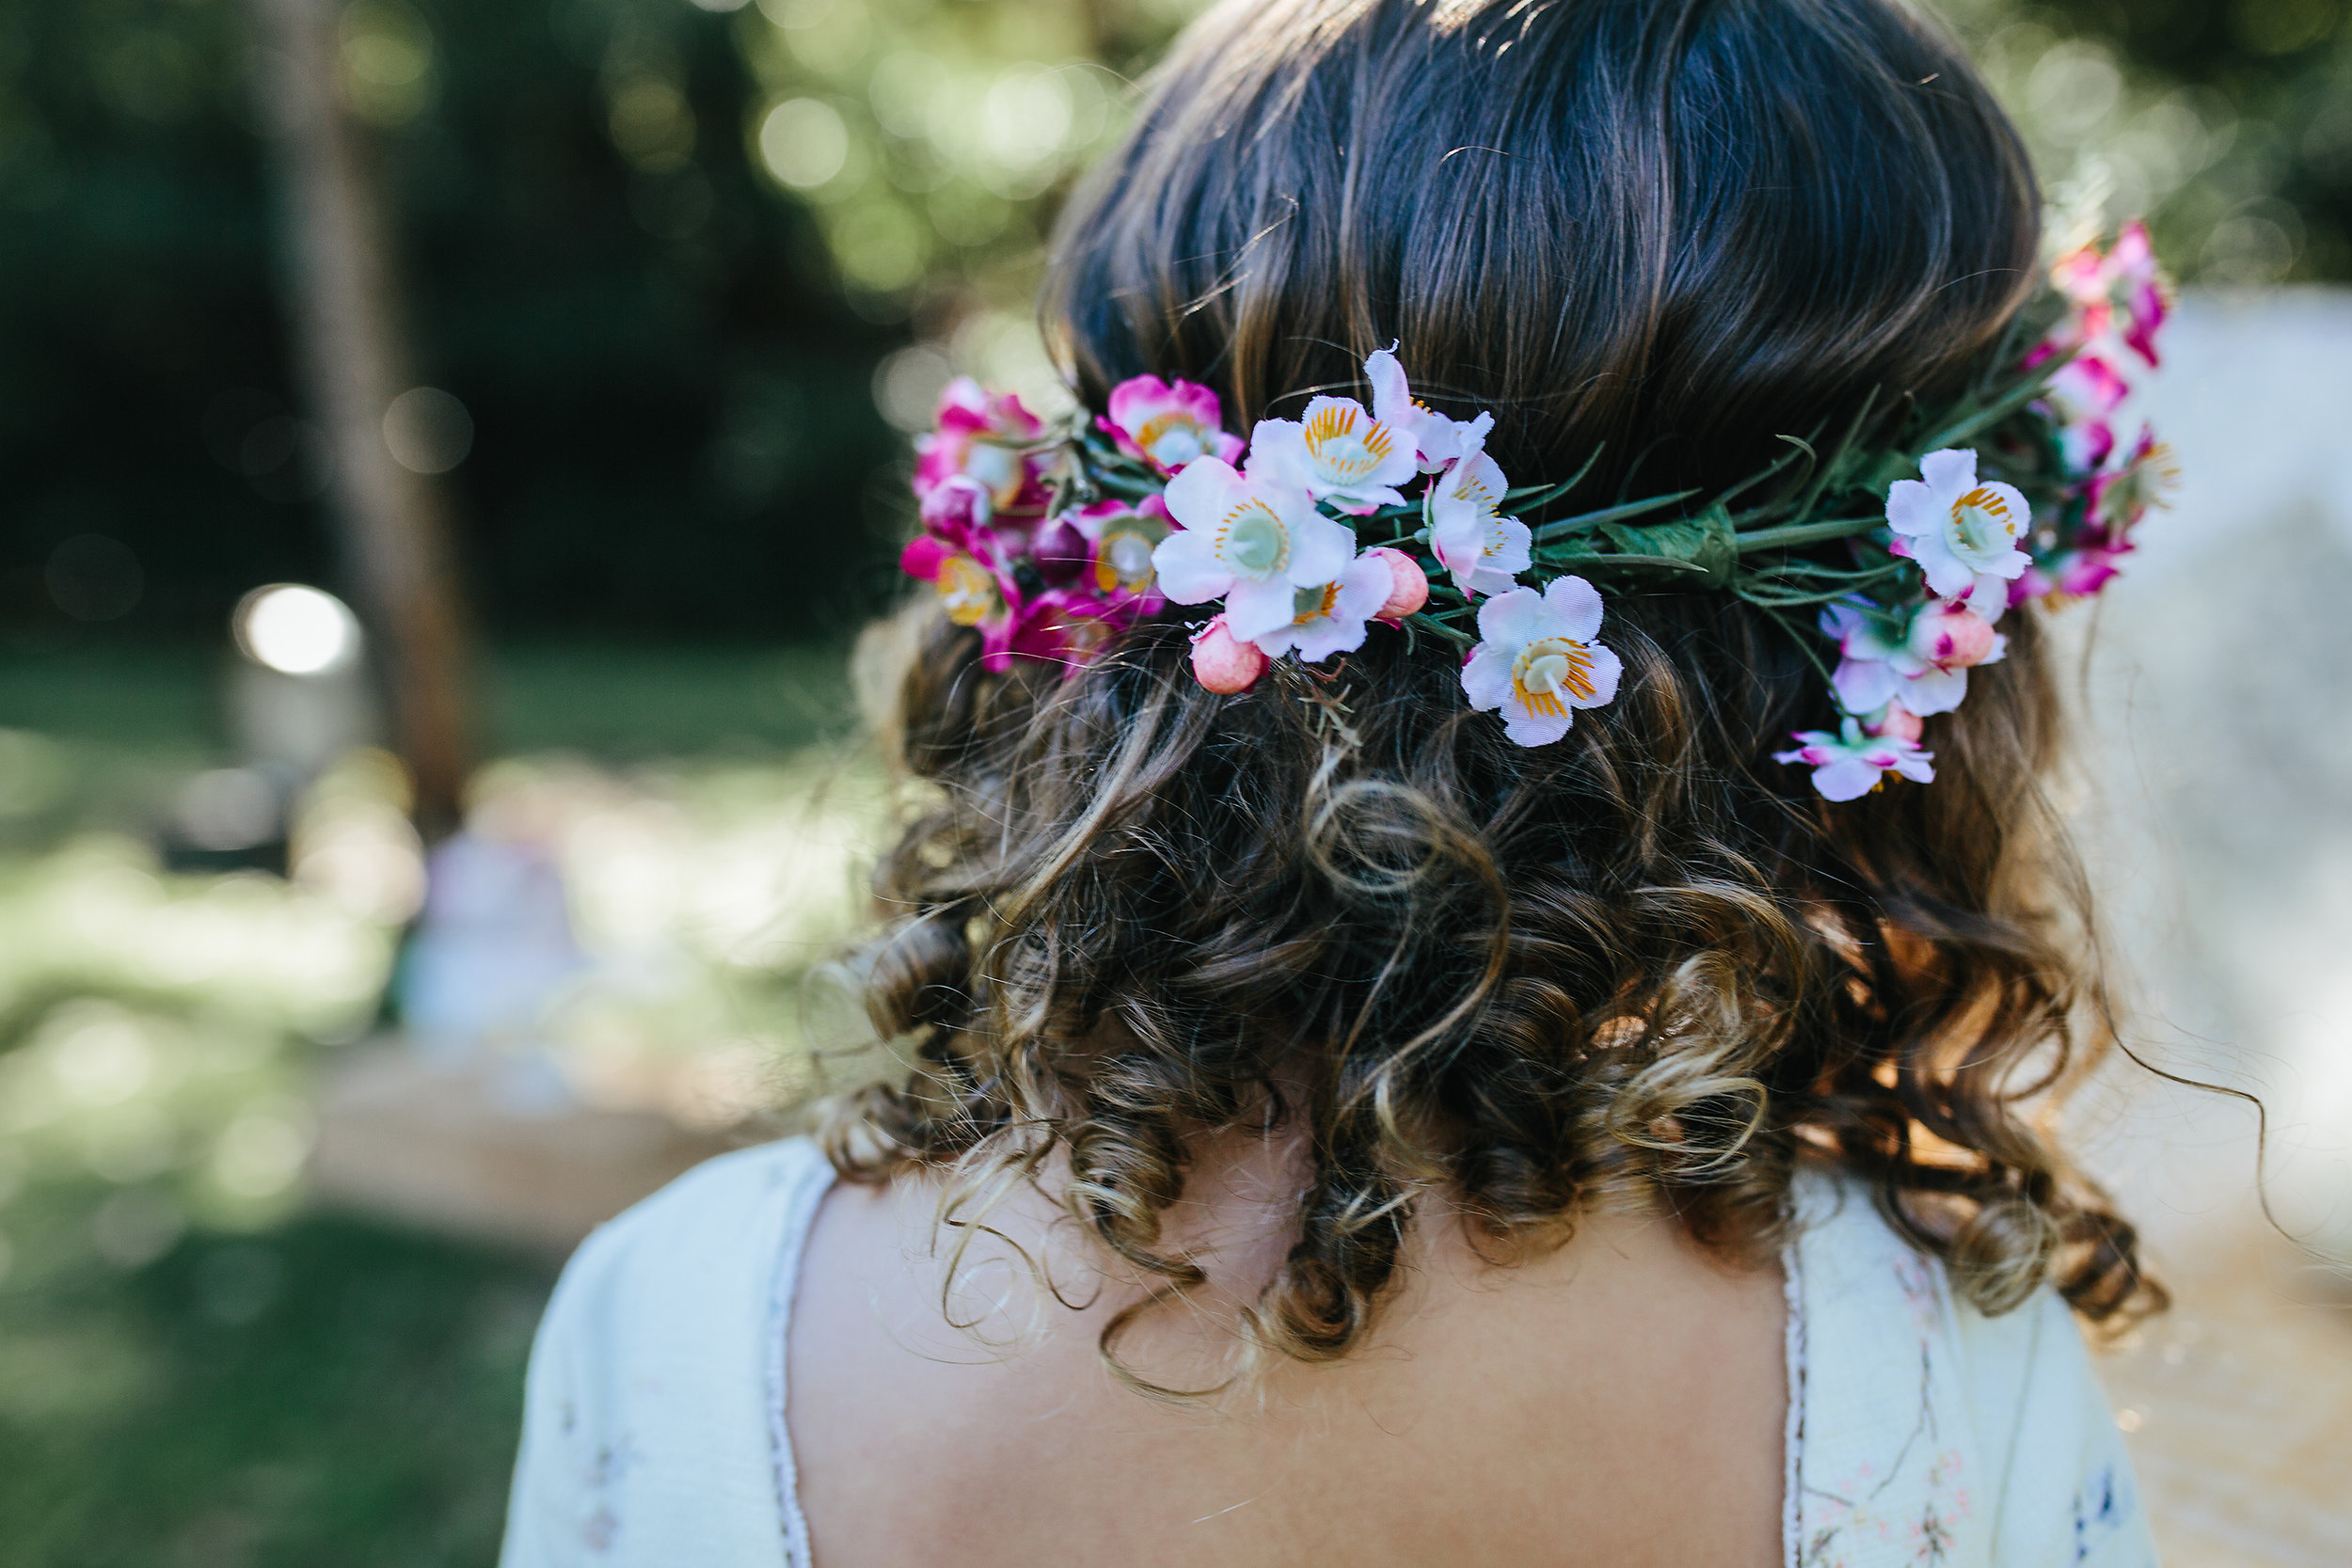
x,y
1619,1400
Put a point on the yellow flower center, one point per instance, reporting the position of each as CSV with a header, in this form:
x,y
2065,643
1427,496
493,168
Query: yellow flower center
x,y
1343,450
967,590
1981,524
1469,487
1122,558
1545,670
1252,540
1313,604
1172,440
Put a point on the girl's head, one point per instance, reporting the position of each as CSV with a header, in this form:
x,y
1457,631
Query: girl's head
x,y
1642,964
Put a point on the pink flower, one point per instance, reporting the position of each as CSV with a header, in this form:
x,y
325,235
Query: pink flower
x,y
984,436
2120,292
1121,537
1956,527
1920,660
1408,585
1536,662
1332,617
2084,392
1251,541
1951,636
1168,423
1849,764
1436,440
1897,722
1337,451
2120,495
1223,662
1484,550
957,509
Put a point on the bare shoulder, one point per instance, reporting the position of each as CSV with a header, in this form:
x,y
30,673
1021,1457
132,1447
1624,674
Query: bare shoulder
x,y
1621,1400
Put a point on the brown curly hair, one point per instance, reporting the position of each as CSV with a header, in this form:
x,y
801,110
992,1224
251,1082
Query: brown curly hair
x,y
1644,964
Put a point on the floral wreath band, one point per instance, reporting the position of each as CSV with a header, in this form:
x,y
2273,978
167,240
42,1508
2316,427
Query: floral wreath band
x,y
1051,539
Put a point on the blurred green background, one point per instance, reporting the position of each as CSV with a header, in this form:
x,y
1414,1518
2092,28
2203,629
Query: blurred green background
x,y
691,270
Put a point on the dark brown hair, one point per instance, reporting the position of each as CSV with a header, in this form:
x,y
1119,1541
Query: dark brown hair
x,y
1644,963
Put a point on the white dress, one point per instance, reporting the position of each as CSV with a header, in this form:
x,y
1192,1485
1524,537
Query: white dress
x,y
1920,1430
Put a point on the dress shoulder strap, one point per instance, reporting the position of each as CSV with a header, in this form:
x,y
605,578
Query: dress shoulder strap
x,y
652,1414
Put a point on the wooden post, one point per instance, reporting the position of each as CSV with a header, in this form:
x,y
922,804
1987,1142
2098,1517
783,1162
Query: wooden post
x,y
391,521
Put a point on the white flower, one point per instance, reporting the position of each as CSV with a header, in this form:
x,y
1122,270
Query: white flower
x,y
1436,440
1536,660
1248,540
1484,550
1956,528
1850,764
1330,618
1338,453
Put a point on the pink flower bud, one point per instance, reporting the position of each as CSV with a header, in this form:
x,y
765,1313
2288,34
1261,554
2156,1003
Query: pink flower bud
x,y
1411,590
922,557
1223,662
1060,552
1897,722
1951,636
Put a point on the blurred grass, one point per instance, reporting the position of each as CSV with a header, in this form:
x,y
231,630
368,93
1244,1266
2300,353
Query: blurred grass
x,y
322,1392
195,1370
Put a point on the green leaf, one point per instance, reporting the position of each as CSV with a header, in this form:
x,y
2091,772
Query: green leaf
x,y
1704,542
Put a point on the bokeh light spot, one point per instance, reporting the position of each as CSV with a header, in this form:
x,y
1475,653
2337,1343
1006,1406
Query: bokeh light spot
x,y
296,630
803,142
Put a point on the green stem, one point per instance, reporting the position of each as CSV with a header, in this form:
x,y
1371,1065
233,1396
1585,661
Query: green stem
x,y
1984,418
1641,563
1425,622
1585,522
1794,536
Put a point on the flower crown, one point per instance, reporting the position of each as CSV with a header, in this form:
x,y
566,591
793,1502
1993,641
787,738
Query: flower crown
x,y
1051,539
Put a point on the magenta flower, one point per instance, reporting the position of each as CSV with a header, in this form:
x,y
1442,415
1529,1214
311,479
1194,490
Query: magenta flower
x,y
988,438
1120,536
2120,292
2083,394
2120,495
1169,423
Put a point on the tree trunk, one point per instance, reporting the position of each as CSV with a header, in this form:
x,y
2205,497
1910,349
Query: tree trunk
x,y
392,529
